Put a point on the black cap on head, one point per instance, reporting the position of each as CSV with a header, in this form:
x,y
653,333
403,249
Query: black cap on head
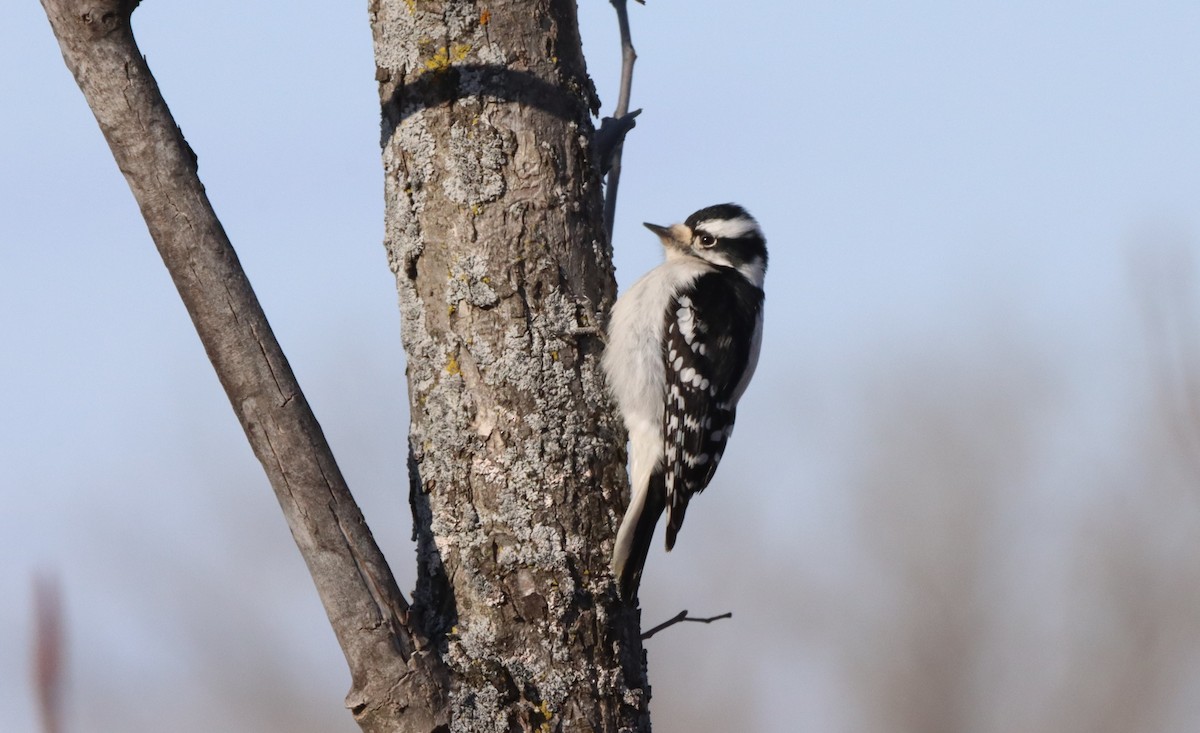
x,y
726,212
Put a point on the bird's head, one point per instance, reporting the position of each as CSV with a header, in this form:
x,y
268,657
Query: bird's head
x,y
724,235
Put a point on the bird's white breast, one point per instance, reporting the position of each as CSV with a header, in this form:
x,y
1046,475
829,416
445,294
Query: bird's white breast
x,y
633,357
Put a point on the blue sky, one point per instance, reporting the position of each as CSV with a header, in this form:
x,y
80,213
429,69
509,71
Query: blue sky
x,y
956,196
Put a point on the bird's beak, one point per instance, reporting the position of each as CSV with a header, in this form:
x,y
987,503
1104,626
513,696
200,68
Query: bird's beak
x,y
677,236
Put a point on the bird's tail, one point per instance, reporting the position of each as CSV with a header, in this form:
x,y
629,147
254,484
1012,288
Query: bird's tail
x,y
636,533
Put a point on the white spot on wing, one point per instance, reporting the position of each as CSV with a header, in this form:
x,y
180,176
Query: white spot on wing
x,y
686,319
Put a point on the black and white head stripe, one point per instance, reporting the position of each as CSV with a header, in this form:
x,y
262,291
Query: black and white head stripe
x,y
742,225
736,239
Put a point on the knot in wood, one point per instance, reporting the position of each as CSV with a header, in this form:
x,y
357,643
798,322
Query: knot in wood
x,y
103,18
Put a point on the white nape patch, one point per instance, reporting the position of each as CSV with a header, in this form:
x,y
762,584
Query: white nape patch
x,y
729,228
754,271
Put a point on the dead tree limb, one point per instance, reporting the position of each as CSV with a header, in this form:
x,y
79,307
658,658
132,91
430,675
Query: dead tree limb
x,y
365,607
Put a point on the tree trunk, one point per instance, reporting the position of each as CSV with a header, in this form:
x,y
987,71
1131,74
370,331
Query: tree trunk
x,y
494,231
517,469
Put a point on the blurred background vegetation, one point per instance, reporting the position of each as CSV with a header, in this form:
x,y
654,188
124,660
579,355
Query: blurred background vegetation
x,y
964,492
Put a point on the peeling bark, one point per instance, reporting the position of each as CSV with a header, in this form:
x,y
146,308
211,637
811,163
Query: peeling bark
x,y
494,230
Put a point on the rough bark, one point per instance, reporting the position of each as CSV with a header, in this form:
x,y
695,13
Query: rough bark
x,y
494,230
398,684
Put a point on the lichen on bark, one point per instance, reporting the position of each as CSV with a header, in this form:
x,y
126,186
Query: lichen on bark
x,y
494,231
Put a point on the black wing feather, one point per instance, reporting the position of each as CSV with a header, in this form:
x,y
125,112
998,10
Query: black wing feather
x,y
710,330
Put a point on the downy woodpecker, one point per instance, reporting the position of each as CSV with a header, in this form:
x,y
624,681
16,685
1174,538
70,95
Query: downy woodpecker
x,y
683,342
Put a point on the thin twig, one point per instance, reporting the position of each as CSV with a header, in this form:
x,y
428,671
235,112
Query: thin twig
x,y
680,618
628,57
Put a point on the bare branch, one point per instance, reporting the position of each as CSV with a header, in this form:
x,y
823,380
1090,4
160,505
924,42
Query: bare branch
x,y
680,618
365,607
621,114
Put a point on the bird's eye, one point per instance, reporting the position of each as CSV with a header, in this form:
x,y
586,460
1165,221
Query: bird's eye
x,y
707,240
